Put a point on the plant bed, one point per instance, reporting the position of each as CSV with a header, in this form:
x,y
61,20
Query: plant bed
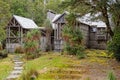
x,y
3,54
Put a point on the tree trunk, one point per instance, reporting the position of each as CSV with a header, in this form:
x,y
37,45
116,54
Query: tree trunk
x,y
106,18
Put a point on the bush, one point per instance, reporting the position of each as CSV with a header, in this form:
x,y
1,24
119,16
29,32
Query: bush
x,y
111,76
3,54
75,50
32,44
30,75
73,39
114,45
19,49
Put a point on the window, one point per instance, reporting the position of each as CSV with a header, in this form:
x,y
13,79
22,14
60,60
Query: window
x,y
93,29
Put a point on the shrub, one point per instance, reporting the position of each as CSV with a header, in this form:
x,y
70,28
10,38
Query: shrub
x,y
30,75
32,44
19,49
114,44
3,54
73,41
75,50
111,76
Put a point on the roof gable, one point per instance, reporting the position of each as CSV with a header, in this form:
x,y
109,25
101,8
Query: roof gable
x,y
25,22
58,17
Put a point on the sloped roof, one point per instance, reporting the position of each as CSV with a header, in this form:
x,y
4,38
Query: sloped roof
x,y
57,16
87,20
26,22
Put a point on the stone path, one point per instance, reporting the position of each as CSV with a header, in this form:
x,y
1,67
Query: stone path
x,y
17,70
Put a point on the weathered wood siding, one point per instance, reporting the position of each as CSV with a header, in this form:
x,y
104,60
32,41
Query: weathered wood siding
x,y
85,32
97,38
12,46
58,40
43,42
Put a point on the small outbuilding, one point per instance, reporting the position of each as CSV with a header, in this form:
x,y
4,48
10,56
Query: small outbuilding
x,y
94,33
16,29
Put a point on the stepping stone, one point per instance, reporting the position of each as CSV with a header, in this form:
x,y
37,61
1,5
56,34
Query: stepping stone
x,y
15,72
18,68
18,62
18,65
16,58
11,77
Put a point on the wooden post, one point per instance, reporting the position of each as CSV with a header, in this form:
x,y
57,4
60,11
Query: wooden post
x,y
21,36
8,38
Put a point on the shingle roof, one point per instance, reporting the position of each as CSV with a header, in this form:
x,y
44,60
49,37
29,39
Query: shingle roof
x,y
26,22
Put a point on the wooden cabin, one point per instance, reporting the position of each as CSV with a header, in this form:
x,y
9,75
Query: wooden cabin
x,y
57,21
91,34
16,29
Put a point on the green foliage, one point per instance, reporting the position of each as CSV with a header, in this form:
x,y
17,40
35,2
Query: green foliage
x,y
30,75
54,5
71,18
6,66
47,24
32,43
73,39
28,8
18,7
4,16
114,45
111,76
79,6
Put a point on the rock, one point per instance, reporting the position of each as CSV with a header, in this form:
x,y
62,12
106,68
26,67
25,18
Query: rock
x,y
11,77
16,72
18,68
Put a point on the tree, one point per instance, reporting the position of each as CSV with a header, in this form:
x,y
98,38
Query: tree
x,y
78,6
114,45
4,17
54,5
106,7
36,11
28,8
19,7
